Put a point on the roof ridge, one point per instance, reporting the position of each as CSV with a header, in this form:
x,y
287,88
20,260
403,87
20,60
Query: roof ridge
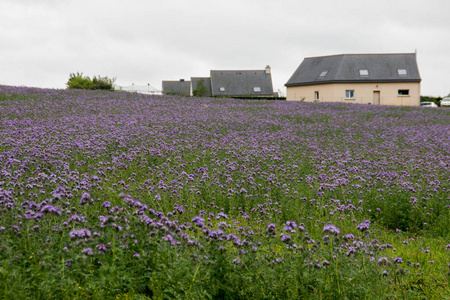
x,y
237,70
347,54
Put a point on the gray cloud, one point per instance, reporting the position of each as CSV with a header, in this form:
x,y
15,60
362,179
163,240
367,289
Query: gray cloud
x,y
150,41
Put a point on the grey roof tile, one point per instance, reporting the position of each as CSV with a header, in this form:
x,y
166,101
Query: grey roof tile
x,y
180,87
345,68
241,82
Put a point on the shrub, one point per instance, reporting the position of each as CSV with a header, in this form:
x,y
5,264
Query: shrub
x,y
78,81
201,90
103,83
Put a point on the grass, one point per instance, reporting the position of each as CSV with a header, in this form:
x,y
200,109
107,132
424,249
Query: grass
x,y
109,195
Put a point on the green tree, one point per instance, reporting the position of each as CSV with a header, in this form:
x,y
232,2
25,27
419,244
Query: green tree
x,y
103,83
201,90
78,81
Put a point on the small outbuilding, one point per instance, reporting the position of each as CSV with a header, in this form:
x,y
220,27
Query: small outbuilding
x,y
180,88
385,79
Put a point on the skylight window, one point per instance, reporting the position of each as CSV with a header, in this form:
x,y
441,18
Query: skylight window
x,y
222,89
257,89
323,73
363,72
401,72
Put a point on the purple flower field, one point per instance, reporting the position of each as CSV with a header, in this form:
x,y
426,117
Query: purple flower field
x,y
129,195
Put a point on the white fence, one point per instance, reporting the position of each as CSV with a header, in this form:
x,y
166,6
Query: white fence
x,y
136,88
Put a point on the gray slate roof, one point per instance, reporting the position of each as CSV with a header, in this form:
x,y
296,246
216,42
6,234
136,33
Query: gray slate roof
x,y
345,68
241,83
181,87
206,80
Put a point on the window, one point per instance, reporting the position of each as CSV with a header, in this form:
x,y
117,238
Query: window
x,y
403,92
349,94
323,74
316,95
257,89
363,72
222,89
402,72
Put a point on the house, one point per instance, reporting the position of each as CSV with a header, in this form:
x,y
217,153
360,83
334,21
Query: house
x,y
180,88
242,83
386,79
226,83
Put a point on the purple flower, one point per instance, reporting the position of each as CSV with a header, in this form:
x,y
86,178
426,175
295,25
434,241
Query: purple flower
x,y
169,238
290,226
398,260
85,197
199,221
215,234
106,204
221,215
383,260
285,238
349,237
80,233
51,209
363,226
101,248
271,227
88,251
330,228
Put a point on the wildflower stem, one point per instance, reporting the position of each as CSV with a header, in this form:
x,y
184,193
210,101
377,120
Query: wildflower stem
x,y
192,283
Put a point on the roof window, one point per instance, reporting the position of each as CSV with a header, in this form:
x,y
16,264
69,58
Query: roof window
x,y
222,89
323,73
363,72
402,72
257,89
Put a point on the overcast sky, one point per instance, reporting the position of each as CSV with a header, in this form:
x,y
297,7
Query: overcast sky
x,y
138,41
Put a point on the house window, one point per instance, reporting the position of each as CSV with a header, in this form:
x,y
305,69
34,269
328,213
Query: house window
x,y
323,73
222,89
402,72
257,89
403,92
316,95
363,72
349,94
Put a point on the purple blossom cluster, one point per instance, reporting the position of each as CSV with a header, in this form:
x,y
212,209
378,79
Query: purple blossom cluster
x,y
126,170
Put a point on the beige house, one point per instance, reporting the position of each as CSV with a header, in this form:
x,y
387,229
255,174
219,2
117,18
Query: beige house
x,y
386,79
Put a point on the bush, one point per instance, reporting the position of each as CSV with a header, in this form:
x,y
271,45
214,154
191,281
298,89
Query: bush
x,y
78,81
103,83
201,90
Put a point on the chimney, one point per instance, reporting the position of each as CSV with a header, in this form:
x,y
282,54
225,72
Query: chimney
x,y
181,79
267,69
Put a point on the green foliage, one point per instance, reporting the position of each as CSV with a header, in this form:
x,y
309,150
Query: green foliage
x,y
103,83
436,100
78,81
201,90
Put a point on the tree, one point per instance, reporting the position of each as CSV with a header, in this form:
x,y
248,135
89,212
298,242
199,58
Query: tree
x,y
201,90
78,81
103,83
